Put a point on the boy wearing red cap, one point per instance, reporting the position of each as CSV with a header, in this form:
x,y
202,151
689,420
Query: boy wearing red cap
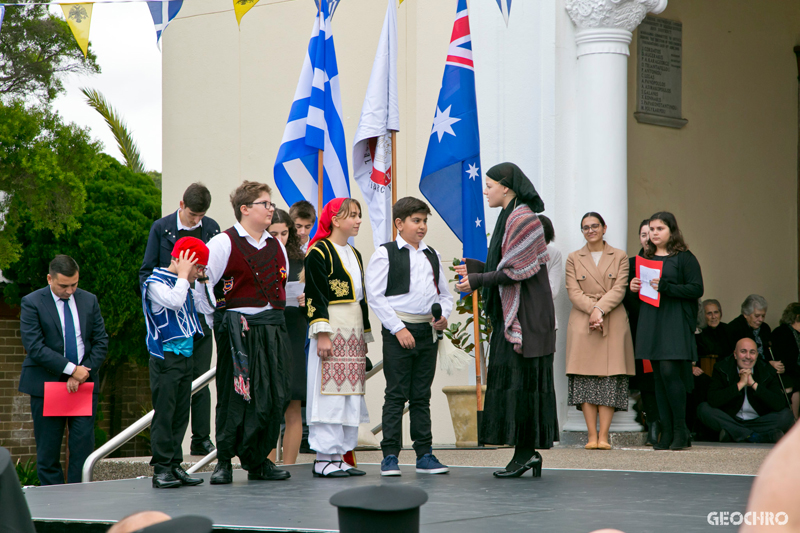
x,y
170,308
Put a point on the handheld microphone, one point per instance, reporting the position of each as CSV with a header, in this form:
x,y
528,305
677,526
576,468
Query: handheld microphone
x,y
436,311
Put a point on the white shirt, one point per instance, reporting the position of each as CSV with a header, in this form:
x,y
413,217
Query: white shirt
x,y
187,228
173,298
747,412
350,263
555,272
219,251
422,292
70,368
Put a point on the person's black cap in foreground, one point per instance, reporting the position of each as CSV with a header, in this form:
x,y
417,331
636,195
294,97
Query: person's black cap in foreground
x,y
384,508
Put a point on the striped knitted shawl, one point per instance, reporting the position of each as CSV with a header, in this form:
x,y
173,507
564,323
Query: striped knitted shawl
x,y
524,252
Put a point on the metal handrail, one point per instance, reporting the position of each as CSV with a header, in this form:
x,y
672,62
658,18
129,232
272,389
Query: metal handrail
x,y
134,429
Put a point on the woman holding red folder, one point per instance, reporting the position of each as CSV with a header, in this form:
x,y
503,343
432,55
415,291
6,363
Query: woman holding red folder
x,y
665,334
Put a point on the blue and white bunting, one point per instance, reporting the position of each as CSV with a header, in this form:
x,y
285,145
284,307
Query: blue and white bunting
x,y
163,11
2,14
505,9
315,123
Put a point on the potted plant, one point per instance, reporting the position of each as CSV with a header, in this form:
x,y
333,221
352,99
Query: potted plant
x,y
462,399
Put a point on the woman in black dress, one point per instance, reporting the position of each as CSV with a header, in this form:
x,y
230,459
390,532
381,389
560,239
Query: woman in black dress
x,y
642,381
786,350
665,334
283,229
520,406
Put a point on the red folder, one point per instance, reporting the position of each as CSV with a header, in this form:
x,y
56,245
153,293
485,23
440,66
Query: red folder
x,y
59,402
655,265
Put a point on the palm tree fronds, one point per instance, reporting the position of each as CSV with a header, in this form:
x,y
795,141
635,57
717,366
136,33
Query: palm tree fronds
x,y
125,142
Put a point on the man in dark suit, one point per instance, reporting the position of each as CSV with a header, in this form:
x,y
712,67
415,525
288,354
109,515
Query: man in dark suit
x,y
66,341
188,221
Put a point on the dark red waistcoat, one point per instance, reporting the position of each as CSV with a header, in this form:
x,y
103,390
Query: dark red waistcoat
x,y
253,277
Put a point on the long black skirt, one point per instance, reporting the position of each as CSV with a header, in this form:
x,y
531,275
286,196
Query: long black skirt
x,y
520,404
297,326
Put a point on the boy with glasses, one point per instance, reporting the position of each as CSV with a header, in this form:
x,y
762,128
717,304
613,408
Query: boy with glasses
x,y
247,268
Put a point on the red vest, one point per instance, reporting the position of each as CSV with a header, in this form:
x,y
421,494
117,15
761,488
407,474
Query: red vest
x,y
253,277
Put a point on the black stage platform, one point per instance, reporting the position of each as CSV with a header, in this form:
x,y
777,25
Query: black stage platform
x,y
467,499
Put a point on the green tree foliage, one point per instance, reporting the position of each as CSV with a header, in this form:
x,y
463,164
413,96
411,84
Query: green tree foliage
x,y
43,166
36,49
109,246
125,143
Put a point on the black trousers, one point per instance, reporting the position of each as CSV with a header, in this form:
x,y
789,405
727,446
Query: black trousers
x,y
409,376
49,434
201,402
740,429
171,388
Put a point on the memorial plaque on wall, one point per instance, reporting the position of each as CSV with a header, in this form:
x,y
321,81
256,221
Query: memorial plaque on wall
x,y
658,72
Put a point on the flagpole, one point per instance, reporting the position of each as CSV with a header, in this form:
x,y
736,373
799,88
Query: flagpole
x,y
476,323
320,184
394,179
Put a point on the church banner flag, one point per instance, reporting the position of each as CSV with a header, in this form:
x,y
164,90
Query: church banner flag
x,y
315,123
241,7
451,174
505,9
79,19
380,115
163,11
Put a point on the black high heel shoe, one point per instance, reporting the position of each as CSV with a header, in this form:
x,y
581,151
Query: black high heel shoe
x,y
665,441
534,463
653,431
682,440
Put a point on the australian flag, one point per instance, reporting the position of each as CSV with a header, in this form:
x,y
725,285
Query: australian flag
x,y
451,175
163,11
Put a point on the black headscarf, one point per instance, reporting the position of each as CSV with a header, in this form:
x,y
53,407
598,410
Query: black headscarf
x,y
507,175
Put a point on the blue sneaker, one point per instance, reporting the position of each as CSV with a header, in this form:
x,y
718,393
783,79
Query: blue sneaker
x,y
390,466
429,464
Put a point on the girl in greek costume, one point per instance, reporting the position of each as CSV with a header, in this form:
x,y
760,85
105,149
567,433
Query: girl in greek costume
x,y
520,407
339,330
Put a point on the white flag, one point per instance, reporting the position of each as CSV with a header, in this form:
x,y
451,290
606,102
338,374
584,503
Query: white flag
x,y
372,150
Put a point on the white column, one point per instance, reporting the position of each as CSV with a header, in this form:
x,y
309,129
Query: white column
x,y
603,34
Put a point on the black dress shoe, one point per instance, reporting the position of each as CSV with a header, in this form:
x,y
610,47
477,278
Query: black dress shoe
x,y
665,441
334,472
534,463
268,472
165,481
181,475
652,433
223,474
681,440
202,448
352,471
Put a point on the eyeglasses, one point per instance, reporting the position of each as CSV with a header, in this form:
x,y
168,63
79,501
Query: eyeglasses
x,y
593,227
267,205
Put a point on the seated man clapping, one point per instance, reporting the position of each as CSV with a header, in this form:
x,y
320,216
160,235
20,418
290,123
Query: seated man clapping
x,y
745,399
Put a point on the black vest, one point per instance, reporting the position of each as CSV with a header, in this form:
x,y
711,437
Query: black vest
x,y
399,280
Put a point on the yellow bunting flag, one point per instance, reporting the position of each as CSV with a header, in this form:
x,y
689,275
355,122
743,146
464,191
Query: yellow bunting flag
x,y
79,18
401,1
241,7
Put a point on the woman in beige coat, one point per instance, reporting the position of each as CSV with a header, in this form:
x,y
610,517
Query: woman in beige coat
x,y
599,346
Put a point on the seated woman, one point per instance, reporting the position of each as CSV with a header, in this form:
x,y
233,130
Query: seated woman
x,y
750,324
786,349
713,341
599,345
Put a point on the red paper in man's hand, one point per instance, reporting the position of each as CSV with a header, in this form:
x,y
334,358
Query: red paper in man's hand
x,y
59,402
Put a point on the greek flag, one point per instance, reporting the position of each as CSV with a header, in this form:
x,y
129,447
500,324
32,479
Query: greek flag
x,y
315,123
163,11
332,5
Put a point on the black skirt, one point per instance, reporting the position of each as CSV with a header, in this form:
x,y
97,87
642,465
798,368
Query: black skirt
x,y
297,325
520,404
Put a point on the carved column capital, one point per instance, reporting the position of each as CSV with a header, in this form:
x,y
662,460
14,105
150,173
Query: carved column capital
x,y
605,26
